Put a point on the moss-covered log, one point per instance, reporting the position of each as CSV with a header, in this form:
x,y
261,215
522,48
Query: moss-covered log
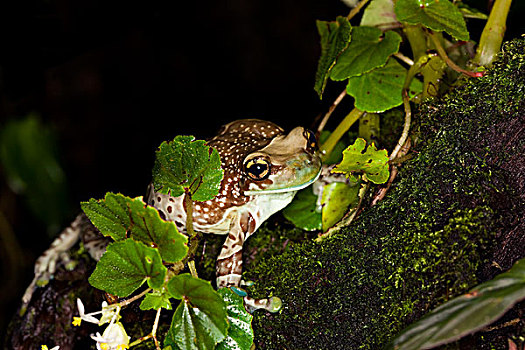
x,y
454,217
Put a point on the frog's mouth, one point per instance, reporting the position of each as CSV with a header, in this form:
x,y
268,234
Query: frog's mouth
x,y
283,190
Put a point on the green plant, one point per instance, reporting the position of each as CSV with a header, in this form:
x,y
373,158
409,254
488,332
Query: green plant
x,y
148,249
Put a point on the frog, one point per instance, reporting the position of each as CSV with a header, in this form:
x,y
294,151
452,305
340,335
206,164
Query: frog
x,y
263,169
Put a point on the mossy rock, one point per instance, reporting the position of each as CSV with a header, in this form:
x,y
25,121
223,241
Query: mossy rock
x,y
454,218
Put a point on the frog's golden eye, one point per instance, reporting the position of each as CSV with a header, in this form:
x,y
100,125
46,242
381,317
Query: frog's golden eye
x,y
257,168
310,138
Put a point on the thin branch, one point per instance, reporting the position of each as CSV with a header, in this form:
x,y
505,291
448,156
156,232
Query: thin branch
x,y
443,54
406,127
356,9
404,58
331,110
132,299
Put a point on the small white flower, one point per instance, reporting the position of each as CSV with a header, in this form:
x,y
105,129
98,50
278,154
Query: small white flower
x,y
113,338
83,315
110,313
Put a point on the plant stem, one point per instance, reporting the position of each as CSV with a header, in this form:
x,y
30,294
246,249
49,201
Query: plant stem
x,y
188,207
417,40
356,9
327,147
193,270
442,53
132,299
331,110
154,329
492,36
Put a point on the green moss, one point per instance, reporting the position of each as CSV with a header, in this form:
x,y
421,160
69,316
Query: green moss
x,y
423,244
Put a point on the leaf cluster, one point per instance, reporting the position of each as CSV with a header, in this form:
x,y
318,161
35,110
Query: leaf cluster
x,y
148,249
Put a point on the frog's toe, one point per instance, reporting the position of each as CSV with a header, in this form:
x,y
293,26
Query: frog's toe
x,y
247,283
272,304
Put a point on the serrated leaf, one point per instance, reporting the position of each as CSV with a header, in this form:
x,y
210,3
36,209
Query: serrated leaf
x,y
467,313
110,215
156,300
381,88
379,13
302,211
240,332
187,165
200,321
125,266
438,15
368,49
117,215
337,198
335,37
372,163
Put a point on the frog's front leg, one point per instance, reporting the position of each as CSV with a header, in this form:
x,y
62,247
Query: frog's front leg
x,y
229,263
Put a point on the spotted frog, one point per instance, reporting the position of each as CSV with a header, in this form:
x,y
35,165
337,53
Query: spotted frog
x,y
263,169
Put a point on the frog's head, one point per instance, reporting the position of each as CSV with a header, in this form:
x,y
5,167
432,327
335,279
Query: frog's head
x,y
288,163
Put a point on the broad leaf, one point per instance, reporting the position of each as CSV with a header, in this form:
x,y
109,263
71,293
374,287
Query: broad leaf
x,y
240,332
372,163
302,212
368,49
335,37
336,200
200,321
125,266
438,15
379,13
187,165
467,313
117,216
156,300
381,88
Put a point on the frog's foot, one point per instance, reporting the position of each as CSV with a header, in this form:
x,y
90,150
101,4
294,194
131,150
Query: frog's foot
x,y
46,264
272,304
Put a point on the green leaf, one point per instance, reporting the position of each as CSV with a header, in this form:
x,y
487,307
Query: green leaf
x,y
302,212
125,266
372,163
156,300
187,165
470,12
467,313
336,199
240,333
200,321
381,88
335,37
368,49
116,215
438,15
379,13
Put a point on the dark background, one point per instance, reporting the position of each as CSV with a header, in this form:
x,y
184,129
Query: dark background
x,y
113,79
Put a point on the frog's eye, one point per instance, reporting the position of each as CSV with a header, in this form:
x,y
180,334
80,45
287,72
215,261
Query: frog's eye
x,y
310,138
257,168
